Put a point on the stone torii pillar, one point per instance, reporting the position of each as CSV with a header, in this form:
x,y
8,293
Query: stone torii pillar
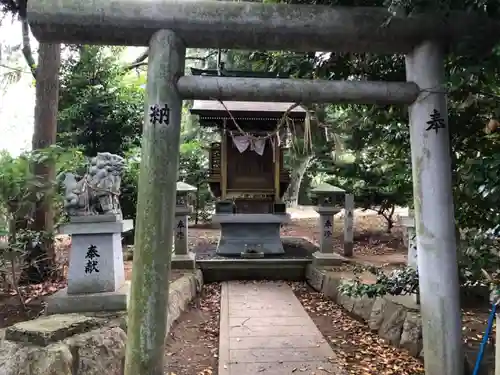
x,y
434,213
155,206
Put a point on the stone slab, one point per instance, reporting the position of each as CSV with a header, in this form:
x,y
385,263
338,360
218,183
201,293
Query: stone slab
x,y
270,321
64,303
251,219
274,342
269,332
282,368
264,312
49,329
279,354
327,259
235,237
96,227
95,219
315,278
185,261
328,210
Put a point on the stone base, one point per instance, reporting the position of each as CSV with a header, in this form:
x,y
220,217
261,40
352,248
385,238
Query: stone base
x,y
327,259
348,249
252,255
243,231
184,261
64,303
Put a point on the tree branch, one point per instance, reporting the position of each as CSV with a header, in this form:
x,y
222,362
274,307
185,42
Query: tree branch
x,y
141,60
20,70
27,51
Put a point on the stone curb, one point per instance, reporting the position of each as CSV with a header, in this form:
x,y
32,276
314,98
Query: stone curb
x,y
397,324
91,344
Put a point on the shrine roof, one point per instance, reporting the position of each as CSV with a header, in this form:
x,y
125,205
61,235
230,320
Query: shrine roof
x,y
213,108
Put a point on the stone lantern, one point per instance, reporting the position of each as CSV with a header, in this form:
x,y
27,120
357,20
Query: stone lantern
x,y
182,257
409,223
329,201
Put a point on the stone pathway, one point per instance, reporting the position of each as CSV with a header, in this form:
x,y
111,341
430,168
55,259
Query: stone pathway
x,y
265,330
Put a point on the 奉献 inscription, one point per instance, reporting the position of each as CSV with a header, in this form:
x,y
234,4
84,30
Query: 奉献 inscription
x,y
159,115
180,230
328,228
436,122
92,262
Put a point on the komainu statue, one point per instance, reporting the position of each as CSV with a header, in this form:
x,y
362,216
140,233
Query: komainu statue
x,y
97,192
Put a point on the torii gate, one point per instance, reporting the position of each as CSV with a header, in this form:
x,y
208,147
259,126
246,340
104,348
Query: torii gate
x,y
169,26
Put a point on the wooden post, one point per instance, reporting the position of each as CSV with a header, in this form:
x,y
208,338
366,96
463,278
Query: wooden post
x,y
148,304
223,163
277,169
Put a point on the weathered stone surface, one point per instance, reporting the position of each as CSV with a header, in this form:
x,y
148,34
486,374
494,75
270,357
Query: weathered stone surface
x,y
346,302
363,308
47,329
99,351
411,337
315,278
19,359
181,292
377,314
96,351
392,324
330,286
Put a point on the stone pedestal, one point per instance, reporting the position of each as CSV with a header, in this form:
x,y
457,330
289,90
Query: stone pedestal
x,y
325,255
240,232
411,240
96,276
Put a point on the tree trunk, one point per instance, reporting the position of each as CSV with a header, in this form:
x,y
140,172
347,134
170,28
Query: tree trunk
x,y
47,98
297,175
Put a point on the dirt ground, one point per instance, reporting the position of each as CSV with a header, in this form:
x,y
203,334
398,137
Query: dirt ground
x,y
359,350
364,353
193,343
12,310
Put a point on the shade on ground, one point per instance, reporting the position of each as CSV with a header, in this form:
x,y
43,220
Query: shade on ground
x,y
265,330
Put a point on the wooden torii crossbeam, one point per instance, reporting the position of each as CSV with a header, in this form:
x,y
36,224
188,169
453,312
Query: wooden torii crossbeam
x,y
169,27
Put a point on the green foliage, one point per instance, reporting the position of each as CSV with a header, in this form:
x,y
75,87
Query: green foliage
x,y
398,282
20,191
100,108
19,186
129,185
193,169
380,175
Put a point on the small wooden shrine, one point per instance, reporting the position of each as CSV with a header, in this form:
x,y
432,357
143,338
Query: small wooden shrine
x,y
247,174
